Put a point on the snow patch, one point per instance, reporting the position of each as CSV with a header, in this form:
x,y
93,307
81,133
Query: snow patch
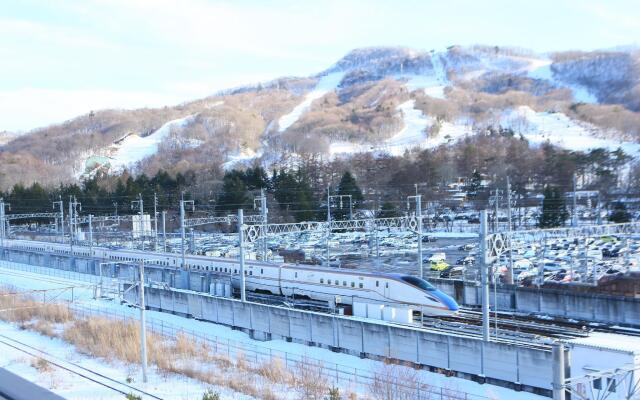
x,y
560,130
325,85
134,148
241,157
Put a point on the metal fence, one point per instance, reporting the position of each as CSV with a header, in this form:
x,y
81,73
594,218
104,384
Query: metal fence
x,y
336,375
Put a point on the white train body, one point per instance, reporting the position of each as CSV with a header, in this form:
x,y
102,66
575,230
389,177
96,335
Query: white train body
x,y
314,282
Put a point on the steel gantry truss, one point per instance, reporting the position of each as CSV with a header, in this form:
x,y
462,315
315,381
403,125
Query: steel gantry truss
x,y
229,219
11,217
256,232
500,243
602,385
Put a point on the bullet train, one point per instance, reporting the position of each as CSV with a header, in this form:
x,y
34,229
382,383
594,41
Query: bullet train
x,y
314,282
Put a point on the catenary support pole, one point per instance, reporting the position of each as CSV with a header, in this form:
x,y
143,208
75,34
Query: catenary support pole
x,y
419,216
164,231
243,295
484,272
510,229
265,215
91,234
155,221
182,231
143,328
328,225
558,371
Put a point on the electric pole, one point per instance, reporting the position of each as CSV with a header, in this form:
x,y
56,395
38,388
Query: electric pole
x,y
2,229
328,224
243,294
418,200
509,228
264,212
61,208
182,227
164,231
155,221
143,326
574,219
140,203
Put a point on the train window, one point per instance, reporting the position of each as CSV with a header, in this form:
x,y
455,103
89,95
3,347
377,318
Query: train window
x,y
321,280
353,284
386,285
360,285
377,283
295,275
225,270
344,283
261,271
337,282
235,271
250,272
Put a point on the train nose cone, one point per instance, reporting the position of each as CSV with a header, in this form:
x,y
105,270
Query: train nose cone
x,y
445,299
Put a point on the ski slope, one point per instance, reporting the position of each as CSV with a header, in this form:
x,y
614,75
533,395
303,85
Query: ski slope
x,y
560,130
325,85
135,148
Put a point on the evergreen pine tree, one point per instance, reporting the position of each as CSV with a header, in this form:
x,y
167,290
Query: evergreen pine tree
x,y
619,214
347,187
554,211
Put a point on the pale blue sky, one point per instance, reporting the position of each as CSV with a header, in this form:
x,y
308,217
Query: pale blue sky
x,y
63,58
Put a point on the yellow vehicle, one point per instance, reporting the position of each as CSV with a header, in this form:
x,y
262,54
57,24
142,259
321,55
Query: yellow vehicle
x,y
439,265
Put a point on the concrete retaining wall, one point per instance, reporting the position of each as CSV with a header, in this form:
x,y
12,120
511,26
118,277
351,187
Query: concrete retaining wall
x,y
601,308
506,362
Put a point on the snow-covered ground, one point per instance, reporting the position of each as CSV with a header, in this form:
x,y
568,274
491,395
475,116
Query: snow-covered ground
x,y
182,388
325,85
135,148
73,386
558,129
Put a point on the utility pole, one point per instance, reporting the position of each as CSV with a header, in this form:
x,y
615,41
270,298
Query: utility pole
x,y
90,234
155,221
182,232
61,205
164,231
484,274
510,229
243,294
143,326
418,199
574,219
558,371
264,212
495,202
328,224
73,218
140,203
2,229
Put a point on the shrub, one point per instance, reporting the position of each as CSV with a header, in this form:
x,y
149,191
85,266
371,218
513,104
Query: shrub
x,y
210,395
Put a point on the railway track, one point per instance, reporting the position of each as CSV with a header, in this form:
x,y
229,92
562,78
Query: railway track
x,y
100,379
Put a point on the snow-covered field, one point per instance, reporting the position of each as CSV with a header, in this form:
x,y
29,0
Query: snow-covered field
x,y
175,387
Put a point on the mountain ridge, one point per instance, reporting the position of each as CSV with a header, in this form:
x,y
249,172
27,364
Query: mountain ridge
x,y
358,104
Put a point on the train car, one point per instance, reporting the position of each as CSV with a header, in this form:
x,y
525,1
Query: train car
x,y
317,283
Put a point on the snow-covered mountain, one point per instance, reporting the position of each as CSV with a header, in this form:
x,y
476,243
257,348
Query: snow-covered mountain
x,y
380,100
